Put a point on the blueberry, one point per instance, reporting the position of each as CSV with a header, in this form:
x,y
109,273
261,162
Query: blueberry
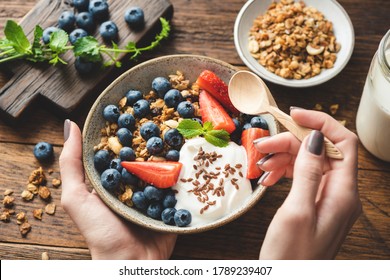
x,y
66,20
259,122
149,130
172,155
135,17
128,178
246,126
140,200
155,145
154,210
126,121
110,179
98,9
43,151
127,154
77,34
116,164
236,135
198,120
169,200
172,98
47,32
186,109
125,136
161,85
85,21
101,160
153,194
141,108
182,218
85,67
111,113
81,5
109,31
173,138
133,96
167,216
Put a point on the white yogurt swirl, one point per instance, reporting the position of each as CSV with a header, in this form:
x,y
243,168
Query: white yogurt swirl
x,y
223,173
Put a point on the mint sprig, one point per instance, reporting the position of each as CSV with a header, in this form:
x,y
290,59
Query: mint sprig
x,y
191,128
15,45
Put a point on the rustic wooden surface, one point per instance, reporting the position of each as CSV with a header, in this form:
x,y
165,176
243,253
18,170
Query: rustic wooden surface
x,y
29,82
204,28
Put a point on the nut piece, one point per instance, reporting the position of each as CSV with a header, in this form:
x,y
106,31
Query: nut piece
x,y
27,195
333,108
8,192
25,228
114,144
126,197
314,51
5,216
21,218
37,213
50,208
56,183
32,188
37,177
45,256
44,192
8,201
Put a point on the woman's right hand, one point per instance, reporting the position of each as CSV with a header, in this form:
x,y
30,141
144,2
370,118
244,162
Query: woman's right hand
x,y
323,202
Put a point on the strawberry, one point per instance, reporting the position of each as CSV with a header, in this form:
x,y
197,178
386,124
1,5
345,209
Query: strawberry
x,y
159,174
212,111
253,155
210,82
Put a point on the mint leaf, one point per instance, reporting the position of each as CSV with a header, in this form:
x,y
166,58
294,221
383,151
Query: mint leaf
x,y
38,33
190,128
207,126
219,138
15,35
58,41
88,47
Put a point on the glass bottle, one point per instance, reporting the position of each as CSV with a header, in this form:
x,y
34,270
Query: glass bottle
x,y
373,116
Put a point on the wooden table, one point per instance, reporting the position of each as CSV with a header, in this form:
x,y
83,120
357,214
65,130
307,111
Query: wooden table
x,y
205,28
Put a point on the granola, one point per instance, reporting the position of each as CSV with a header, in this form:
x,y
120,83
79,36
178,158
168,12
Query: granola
x,y
293,41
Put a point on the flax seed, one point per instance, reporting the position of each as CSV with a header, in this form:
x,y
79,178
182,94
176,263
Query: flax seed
x,y
240,173
238,166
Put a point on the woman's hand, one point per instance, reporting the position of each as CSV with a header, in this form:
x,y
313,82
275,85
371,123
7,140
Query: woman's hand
x,y
323,202
107,235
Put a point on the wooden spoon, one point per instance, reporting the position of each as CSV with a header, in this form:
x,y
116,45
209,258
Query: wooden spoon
x,y
250,95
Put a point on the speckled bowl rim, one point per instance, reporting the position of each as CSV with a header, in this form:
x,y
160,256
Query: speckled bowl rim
x,y
346,31
129,213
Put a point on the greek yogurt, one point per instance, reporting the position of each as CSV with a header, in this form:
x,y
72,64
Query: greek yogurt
x,y
212,182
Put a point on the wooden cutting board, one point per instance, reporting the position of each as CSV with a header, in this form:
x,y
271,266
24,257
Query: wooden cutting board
x,y
61,84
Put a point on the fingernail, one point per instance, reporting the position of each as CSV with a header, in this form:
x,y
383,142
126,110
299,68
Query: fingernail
x,y
262,178
259,140
316,142
67,125
295,108
264,159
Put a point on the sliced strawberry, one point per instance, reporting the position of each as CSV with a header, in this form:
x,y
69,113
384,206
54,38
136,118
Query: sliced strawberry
x,y
253,155
210,82
159,174
212,111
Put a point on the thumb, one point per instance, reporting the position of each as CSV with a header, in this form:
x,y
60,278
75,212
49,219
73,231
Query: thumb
x,y
308,170
71,166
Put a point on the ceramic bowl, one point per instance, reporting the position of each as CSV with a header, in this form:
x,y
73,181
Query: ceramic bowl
x,y
331,9
140,77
